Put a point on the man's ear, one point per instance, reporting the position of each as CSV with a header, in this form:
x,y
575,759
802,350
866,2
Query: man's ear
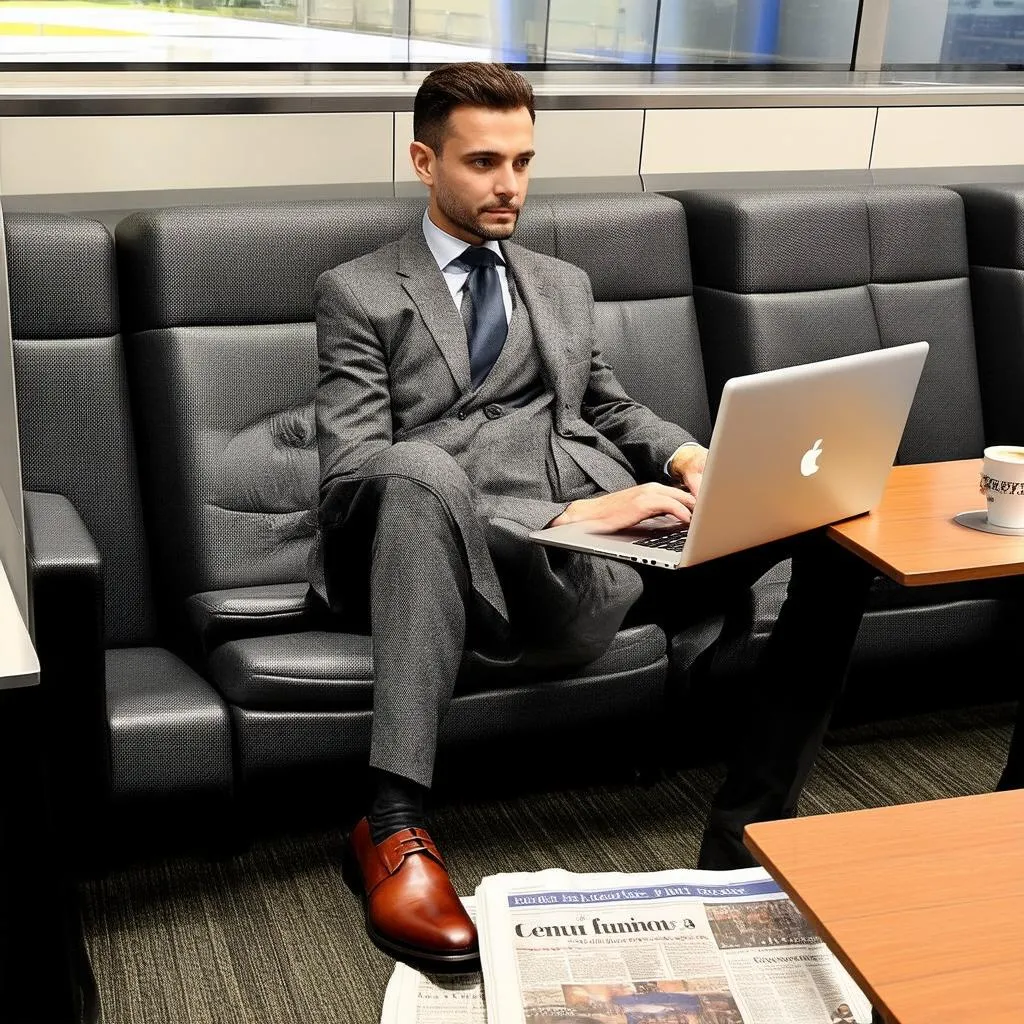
x,y
422,157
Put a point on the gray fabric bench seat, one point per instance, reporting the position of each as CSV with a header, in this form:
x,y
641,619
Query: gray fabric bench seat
x,y
784,277
125,715
222,365
995,244
305,697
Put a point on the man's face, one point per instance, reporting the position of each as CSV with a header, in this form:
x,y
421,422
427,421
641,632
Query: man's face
x,y
479,179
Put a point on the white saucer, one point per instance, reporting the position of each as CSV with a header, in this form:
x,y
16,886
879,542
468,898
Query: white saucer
x,y
978,520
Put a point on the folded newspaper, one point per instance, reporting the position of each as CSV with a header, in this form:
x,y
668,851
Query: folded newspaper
x,y
415,998
669,947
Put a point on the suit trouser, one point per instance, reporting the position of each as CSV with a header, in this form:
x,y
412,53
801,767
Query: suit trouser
x,y
420,600
1013,773
773,730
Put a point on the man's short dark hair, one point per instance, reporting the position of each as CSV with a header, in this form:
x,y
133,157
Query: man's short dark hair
x,y
471,84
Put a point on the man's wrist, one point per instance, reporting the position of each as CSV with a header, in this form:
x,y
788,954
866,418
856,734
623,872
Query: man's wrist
x,y
680,459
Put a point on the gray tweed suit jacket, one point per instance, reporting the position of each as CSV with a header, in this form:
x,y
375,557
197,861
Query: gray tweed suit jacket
x,y
394,399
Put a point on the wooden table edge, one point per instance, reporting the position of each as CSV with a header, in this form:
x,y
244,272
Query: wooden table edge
x,y
876,1000
923,579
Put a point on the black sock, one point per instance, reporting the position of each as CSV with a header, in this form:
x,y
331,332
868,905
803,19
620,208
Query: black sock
x,y
396,803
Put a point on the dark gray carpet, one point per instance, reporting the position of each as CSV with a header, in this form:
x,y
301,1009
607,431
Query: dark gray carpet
x,y
274,937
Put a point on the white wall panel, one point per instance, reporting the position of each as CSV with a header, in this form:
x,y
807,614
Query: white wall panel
x,y
19,665
757,139
56,155
12,519
569,144
949,136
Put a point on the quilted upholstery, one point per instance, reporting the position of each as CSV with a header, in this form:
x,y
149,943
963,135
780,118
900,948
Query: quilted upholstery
x,y
334,671
789,276
225,370
170,734
73,416
121,717
786,277
995,240
617,704
221,355
222,615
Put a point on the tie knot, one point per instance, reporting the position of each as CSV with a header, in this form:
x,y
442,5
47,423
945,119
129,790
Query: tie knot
x,y
478,256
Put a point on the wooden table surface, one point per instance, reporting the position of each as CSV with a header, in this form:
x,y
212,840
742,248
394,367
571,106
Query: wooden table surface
x,y
912,538
923,903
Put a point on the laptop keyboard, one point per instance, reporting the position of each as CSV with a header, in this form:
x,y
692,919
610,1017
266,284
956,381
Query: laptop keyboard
x,y
666,540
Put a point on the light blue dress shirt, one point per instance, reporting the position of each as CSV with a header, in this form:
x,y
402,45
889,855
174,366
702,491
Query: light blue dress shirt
x,y
445,248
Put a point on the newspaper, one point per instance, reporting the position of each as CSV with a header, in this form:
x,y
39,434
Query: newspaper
x,y
415,998
679,947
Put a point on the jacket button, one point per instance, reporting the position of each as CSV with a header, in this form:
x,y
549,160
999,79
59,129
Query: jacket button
x,y
493,411
461,414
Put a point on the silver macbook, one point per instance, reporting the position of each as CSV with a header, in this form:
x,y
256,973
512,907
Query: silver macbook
x,y
792,449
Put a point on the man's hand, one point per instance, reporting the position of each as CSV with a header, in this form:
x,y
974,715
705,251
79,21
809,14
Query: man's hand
x,y
623,509
687,466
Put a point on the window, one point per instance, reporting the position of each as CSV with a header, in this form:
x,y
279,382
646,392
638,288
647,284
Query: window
x,y
758,32
338,32
957,32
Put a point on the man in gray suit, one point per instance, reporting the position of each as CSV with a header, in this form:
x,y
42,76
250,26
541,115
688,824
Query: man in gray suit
x,y
462,403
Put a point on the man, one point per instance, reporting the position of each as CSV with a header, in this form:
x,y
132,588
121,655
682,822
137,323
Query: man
x,y
419,343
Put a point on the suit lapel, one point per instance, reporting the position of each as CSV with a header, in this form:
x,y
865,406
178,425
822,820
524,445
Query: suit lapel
x,y
425,285
537,289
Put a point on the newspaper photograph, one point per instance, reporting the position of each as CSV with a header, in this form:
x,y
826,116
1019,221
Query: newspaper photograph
x,y
412,997
669,947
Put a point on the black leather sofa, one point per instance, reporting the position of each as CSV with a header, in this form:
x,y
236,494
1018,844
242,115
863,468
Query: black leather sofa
x,y
167,439
127,717
995,245
785,277
222,364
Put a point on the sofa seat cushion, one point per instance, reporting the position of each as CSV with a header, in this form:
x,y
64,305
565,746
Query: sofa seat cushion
x,y
886,595
222,615
170,731
899,622
329,671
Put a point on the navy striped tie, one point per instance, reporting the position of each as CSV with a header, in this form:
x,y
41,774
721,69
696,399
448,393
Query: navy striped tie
x,y
483,311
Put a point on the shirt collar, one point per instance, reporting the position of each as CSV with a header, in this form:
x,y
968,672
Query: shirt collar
x,y
445,248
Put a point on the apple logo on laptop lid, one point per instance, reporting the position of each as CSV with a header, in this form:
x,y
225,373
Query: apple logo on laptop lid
x,y
809,462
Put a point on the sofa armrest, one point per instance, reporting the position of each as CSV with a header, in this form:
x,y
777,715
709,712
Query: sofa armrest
x,y
66,579
56,537
66,584
219,616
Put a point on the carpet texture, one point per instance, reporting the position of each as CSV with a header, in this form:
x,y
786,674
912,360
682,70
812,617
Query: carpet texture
x,y
272,936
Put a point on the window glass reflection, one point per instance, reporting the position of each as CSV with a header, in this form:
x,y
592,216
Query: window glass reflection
x,y
943,32
505,30
758,32
601,30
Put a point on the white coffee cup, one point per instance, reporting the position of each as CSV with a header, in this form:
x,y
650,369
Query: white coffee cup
x,y
1002,483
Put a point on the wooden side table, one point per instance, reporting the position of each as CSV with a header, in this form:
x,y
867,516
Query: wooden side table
x,y
911,536
922,903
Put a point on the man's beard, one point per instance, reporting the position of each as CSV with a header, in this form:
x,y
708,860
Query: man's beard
x,y
471,220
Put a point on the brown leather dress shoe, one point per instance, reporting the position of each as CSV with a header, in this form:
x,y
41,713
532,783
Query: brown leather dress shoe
x,y
411,908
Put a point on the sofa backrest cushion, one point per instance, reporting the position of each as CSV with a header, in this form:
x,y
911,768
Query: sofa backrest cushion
x,y
792,276
995,247
75,429
222,355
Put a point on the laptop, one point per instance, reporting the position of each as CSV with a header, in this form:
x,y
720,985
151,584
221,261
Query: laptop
x,y
792,449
